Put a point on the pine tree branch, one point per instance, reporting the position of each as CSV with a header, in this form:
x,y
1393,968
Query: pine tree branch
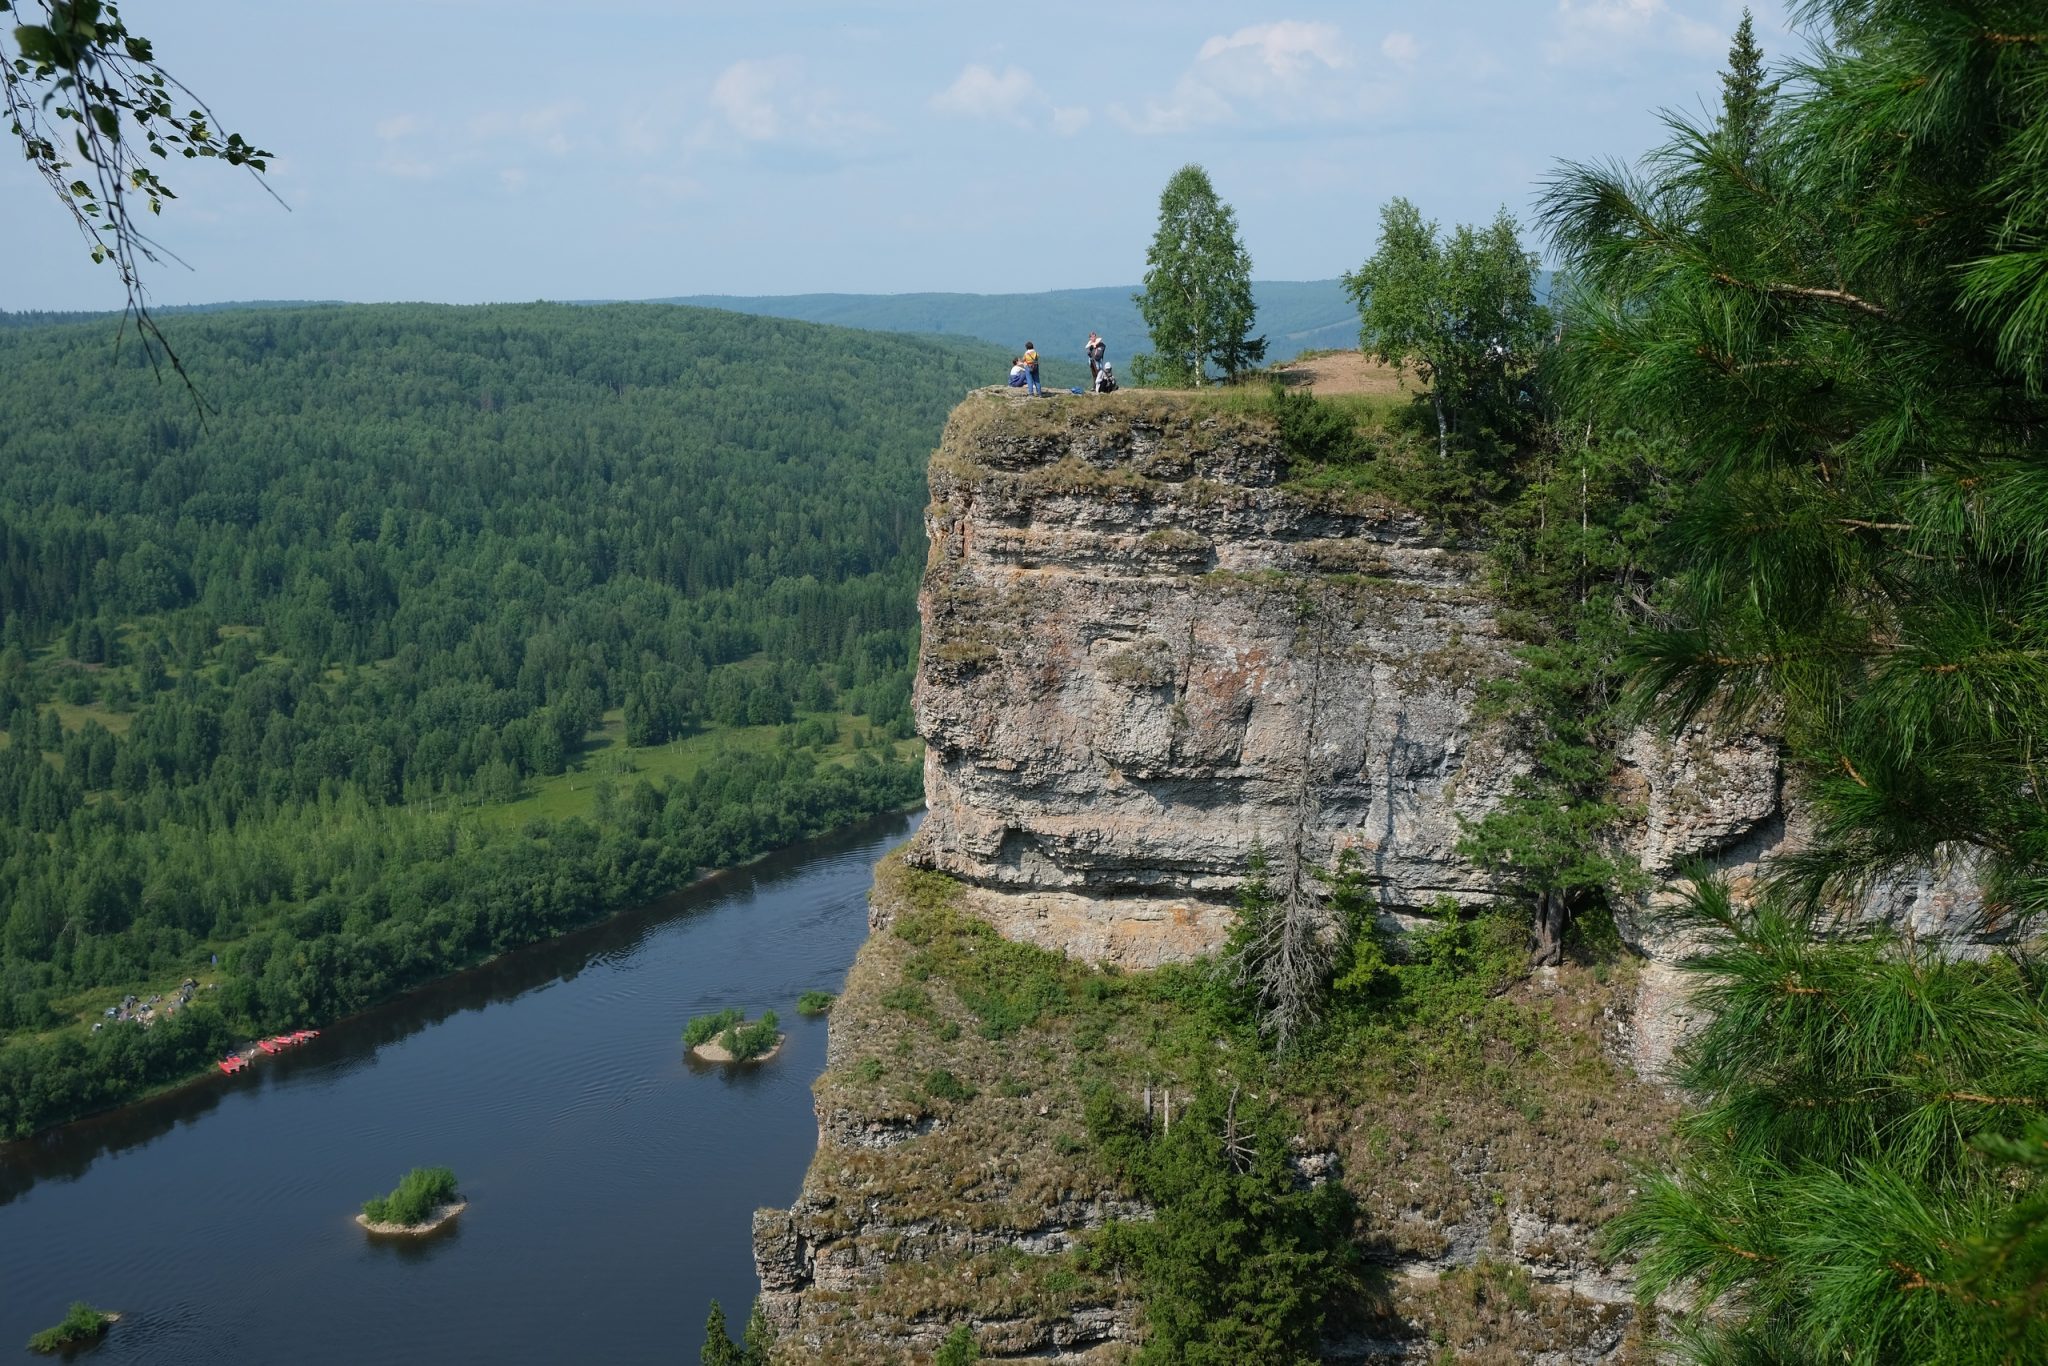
x,y
1789,291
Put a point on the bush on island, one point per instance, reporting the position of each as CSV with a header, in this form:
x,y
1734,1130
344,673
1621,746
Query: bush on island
x,y
747,1041
422,1191
81,1325
814,1003
705,1028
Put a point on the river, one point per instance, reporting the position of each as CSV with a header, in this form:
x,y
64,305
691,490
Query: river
x,y
611,1183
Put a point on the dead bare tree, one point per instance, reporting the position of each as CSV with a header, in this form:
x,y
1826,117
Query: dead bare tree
x,y
1287,944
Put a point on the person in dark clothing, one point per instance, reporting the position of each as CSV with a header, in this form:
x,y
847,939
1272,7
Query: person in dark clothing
x,y
1096,350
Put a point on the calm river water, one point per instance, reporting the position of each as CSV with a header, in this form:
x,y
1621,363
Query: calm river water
x,y
611,1186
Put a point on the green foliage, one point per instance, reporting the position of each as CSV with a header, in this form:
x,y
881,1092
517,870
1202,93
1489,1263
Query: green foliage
x,y
814,1003
1242,1262
1316,432
749,1041
1197,300
1746,94
719,1348
1462,310
1865,1177
88,99
704,1028
1843,341
255,700
81,1325
959,1348
1007,985
420,1192
758,1339
941,1084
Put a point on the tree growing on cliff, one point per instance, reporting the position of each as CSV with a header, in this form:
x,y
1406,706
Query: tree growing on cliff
x,y
720,1350
1197,301
1460,309
1865,1178
1845,341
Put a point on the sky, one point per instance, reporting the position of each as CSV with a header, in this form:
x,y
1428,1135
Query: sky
x,y
469,151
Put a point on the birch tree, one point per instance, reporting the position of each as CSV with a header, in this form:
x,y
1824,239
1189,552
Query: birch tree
x,y
1197,301
1461,310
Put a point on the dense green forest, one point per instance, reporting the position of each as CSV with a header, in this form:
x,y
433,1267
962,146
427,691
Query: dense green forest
x,y
274,673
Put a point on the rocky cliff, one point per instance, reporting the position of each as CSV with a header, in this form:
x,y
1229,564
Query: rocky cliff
x,y
1148,659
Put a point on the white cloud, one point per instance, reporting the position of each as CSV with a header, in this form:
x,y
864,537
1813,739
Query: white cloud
x,y
982,93
512,179
409,168
774,100
1593,29
398,126
1008,96
1400,48
1285,48
745,94
1278,72
1614,16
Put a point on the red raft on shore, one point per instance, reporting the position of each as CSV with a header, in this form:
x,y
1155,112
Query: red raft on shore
x,y
276,1043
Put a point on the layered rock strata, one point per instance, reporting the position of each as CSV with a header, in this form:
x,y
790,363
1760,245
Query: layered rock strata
x,y
1147,662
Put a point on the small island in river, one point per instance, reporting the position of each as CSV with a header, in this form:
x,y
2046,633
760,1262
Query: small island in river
x,y
83,1325
426,1199
727,1037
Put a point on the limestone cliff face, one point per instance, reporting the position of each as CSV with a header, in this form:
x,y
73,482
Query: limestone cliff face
x,y
1146,661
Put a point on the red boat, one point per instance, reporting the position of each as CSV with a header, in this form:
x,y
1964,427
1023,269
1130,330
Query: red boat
x,y
272,1045
233,1064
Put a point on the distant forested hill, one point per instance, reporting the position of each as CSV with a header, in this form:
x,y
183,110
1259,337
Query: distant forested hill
x,y
269,681
1296,316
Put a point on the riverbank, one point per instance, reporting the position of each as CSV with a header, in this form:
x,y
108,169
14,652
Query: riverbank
x,y
189,1058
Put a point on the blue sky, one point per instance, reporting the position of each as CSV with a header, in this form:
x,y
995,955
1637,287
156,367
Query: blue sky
x,y
476,150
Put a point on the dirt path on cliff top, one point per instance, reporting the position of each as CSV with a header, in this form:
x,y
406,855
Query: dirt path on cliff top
x,y
1345,372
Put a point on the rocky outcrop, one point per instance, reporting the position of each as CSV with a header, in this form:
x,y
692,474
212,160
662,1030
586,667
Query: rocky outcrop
x,y
1147,662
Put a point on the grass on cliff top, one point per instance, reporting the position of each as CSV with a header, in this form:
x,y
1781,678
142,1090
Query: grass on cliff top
x,y
1364,452
1460,1094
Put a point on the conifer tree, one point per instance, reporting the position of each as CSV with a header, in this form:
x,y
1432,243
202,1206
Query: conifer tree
x,y
1746,93
1842,338
1197,301
718,1349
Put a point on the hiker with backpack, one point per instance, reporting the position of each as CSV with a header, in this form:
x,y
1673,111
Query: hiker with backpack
x,y
1096,350
1029,360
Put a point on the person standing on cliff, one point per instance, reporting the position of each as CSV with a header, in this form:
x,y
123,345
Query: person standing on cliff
x,y
1030,360
1096,351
